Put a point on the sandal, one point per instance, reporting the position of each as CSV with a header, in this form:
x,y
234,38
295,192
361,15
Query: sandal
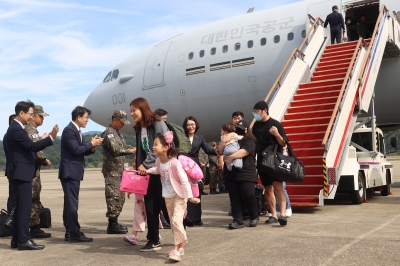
x,y
174,255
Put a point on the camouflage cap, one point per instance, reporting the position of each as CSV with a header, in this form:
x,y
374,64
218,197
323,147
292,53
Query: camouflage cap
x,y
121,115
39,110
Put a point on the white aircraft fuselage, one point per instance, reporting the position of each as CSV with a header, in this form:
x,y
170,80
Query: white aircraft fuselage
x,y
211,87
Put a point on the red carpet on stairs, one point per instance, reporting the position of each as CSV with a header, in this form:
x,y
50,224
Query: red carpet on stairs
x,y
307,119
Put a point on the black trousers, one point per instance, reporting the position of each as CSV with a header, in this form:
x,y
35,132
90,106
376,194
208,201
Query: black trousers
x,y
71,202
164,211
336,35
152,203
22,190
11,198
194,210
242,194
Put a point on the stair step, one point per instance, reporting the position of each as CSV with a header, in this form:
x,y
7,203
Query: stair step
x,y
306,144
310,160
308,114
316,107
330,72
331,67
320,89
305,135
331,76
306,128
307,199
306,121
304,205
308,102
314,169
337,56
304,196
315,151
341,46
322,83
337,51
303,189
332,62
316,95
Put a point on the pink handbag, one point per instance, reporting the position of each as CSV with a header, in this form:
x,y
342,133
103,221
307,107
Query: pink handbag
x,y
132,182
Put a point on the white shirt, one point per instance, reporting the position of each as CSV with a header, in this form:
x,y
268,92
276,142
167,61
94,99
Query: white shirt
x,y
167,188
79,129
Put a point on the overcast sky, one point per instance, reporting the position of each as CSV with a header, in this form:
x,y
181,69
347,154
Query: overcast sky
x,y
56,52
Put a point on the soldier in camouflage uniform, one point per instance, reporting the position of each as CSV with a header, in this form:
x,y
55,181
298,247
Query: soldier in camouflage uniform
x,y
203,158
114,152
41,160
215,173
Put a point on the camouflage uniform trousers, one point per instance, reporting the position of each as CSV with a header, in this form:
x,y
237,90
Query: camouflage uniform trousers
x,y
36,205
115,199
216,177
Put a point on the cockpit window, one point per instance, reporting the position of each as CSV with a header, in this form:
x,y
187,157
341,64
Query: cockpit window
x,y
114,74
107,78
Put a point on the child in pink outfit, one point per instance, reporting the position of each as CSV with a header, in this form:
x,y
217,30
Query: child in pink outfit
x,y
139,220
176,189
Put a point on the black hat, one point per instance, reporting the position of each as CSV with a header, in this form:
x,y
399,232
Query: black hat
x,y
261,105
243,124
334,7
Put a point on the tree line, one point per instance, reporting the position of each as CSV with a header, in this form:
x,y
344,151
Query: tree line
x,y
53,153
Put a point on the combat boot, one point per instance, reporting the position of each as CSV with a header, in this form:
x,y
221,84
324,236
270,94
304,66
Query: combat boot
x,y
114,227
213,191
36,232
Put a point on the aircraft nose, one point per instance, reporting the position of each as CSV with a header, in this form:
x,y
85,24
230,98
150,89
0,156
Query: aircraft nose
x,y
97,102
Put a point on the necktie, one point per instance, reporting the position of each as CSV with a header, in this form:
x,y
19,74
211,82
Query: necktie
x,y
80,134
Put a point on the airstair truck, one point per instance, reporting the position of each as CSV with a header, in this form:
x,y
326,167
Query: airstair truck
x,y
321,98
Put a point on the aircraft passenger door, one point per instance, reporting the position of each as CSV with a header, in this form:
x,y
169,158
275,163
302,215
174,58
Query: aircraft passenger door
x,y
154,71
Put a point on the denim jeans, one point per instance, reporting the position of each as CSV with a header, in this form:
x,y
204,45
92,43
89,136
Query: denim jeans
x,y
287,199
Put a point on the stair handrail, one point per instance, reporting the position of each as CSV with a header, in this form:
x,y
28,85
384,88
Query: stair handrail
x,y
397,17
339,99
371,43
296,52
318,21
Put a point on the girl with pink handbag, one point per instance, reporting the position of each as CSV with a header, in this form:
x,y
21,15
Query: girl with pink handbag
x,y
176,189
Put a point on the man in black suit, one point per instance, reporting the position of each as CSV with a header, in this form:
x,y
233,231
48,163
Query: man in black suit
x,y
21,166
73,151
336,22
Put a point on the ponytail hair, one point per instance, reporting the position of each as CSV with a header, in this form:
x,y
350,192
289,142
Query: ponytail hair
x,y
172,150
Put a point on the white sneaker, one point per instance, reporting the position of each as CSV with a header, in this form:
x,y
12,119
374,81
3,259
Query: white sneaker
x,y
289,212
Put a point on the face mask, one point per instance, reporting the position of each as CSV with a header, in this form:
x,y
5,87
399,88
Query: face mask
x,y
240,131
257,116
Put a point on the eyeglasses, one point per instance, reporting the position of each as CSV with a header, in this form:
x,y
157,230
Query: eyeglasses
x,y
191,125
85,117
30,114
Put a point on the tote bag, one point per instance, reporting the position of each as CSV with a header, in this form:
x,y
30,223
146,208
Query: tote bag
x,y
132,182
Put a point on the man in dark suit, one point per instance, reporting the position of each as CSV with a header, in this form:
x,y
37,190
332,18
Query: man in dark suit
x,y
73,151
336,22
11,197
21,166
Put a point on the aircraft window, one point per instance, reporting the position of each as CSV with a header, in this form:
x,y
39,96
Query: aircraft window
x,y
250,44
237,46
303,34
201,53
277,38
107,78
213,51
263,41
190,55
114,74
290,36
225,48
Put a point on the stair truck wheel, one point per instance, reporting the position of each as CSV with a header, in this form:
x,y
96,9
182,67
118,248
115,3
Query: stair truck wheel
x,y
357,196
386,189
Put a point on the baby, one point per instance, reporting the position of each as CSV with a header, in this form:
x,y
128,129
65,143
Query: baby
x,y
231,146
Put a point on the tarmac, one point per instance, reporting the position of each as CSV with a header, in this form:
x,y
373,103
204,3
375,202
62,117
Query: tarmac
x,y
338,233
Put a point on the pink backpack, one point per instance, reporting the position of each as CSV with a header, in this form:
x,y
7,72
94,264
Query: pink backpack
x,y
193,182
192,169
